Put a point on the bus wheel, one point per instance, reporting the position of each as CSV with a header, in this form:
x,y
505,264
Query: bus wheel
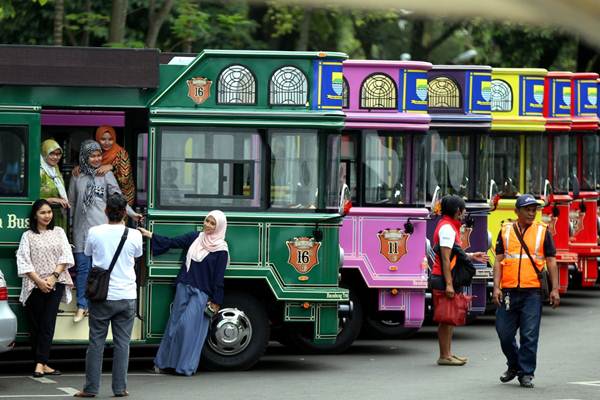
x,y
238,335
388,328
301,339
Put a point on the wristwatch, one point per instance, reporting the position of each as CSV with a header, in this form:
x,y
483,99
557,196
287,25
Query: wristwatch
x,y
55,274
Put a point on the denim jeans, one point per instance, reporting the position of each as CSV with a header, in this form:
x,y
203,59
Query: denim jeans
x,y
84,265
524,314
120,315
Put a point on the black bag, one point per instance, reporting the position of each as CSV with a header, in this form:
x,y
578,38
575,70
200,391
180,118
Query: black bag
x,y
542,275
463,271
99,278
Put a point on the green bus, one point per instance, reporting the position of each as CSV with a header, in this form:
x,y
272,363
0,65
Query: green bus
x,y
253,133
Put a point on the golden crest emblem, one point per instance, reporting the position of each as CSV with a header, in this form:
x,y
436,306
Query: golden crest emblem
x,y
551,222
465,236
576,218
199,89
392,244
303,253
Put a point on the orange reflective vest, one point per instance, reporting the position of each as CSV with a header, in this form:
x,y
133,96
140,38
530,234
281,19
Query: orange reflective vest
x,y
517,271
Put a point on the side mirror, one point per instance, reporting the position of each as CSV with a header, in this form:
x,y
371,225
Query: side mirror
x,y
575,185
345,200
547,192
493,195
434,200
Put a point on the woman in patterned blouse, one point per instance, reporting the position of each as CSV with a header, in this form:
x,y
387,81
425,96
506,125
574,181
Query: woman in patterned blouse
x,y
43,257
116,159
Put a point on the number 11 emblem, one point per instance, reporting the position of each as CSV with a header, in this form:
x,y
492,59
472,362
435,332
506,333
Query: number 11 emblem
x,y
392,244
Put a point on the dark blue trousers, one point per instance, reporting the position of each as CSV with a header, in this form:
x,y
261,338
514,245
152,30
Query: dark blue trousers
x,y
524,314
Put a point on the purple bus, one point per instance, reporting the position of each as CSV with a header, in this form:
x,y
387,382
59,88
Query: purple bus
x,y
384,235
450,158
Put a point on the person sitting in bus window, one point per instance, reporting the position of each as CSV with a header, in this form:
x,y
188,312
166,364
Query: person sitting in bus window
x,y
87,195
43,257
115,159
200,283
52,185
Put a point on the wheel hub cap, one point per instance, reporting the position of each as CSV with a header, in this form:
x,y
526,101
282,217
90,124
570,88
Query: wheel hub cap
x,y
230,332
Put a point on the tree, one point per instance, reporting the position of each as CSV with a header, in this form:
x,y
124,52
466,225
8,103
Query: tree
x,y
156,19
59,22
118,19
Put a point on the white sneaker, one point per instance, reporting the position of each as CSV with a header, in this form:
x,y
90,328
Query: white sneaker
x,y
79,315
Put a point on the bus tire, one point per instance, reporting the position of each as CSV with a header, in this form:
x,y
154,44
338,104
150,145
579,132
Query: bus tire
x,y
386,328
301,339
238,336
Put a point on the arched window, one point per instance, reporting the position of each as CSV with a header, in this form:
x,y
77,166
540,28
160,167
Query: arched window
x,y
288,87
378,91
443,93
501,96
236,86
345,94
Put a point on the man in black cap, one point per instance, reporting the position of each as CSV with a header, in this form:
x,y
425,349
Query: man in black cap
x,y
524,247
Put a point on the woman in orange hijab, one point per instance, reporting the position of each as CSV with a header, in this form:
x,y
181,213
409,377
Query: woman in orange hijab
x,y
116,159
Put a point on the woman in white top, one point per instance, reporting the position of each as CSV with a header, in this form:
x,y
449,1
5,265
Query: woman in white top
x,y
43,257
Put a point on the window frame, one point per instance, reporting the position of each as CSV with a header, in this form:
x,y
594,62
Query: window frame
x,y
26,191
395,94
270,89
218,89
263,199
510,92
448,108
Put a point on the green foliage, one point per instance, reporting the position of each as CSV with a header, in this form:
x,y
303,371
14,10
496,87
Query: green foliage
x,y
93,23
194,25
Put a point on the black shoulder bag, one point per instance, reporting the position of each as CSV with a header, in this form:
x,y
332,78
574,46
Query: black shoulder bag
x,y
463,271
99,278
542,275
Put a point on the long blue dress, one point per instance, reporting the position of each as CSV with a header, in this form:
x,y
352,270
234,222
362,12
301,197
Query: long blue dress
x,y
181,345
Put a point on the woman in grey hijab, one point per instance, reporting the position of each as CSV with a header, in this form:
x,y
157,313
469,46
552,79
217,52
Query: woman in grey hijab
x,y
87,195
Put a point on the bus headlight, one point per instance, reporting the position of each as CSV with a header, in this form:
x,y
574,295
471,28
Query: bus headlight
x,y
489,242
341,257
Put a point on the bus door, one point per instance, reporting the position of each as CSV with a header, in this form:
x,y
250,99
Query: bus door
x,y
19,187
70,127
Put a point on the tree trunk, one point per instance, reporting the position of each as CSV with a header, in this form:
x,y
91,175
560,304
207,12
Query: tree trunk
x,y
85,38
156,18
416,40
118,19
59,22
304,34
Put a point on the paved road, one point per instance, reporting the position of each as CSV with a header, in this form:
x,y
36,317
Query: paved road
x,y
568,368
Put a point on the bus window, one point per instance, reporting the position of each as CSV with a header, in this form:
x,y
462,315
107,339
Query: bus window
x,y
589,161
209,167
536,157
294,168
349,164
142,169
560,171
12,161
442,160
333,182
385,168
502,163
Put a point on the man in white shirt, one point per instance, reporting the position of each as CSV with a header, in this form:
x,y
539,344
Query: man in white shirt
x,y
118,310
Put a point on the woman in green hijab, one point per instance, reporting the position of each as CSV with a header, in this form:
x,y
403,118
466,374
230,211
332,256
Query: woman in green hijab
x,y
52,185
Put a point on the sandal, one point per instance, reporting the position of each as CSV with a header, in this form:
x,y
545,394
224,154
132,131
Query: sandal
x,y
459,358
450,361
84,394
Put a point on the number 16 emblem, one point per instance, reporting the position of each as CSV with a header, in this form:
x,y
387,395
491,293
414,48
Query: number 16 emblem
x,y
303,253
